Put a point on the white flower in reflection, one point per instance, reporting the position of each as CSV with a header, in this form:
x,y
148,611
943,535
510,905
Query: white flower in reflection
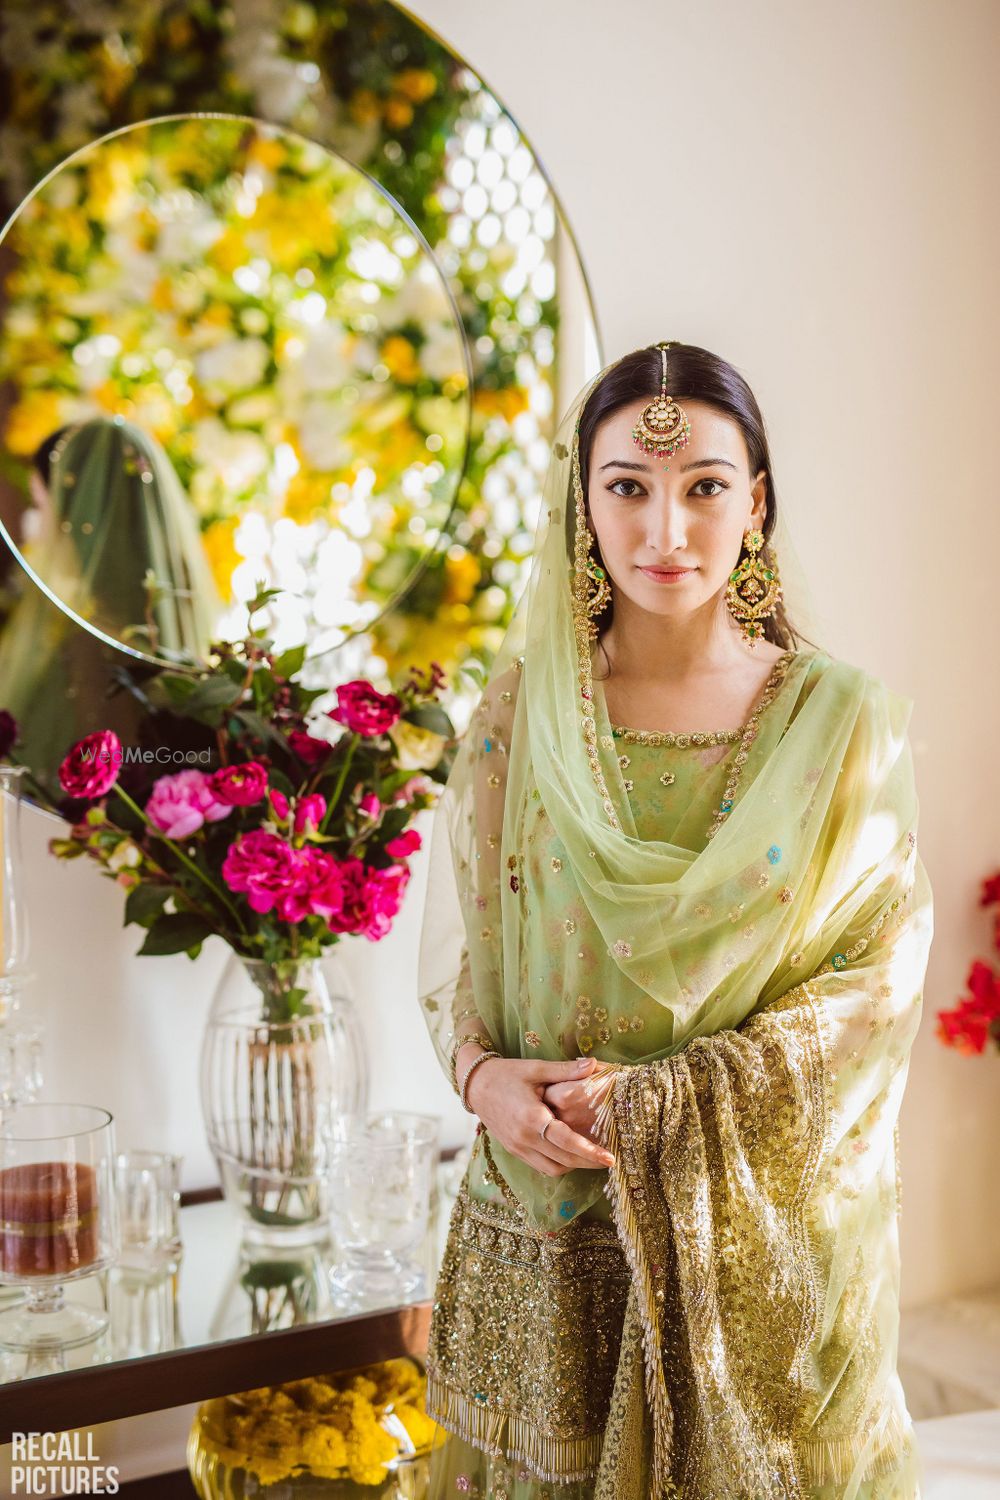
x,y
237,457
234,364
325,363
321,435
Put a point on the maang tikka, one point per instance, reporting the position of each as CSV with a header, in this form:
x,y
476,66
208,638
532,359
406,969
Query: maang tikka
x,y
663,426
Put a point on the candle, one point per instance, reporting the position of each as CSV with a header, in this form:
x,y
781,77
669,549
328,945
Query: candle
x,y
48,1218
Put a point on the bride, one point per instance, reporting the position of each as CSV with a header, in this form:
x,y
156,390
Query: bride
x,y
673,957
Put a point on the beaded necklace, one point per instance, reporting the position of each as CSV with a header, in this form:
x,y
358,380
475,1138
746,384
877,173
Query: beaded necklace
x,y
745,737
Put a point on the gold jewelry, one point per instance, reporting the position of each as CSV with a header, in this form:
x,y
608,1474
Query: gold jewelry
x,y
583,633
463,1093
663,425
480,1038
753,589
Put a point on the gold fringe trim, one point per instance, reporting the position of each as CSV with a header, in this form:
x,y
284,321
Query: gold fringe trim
x,y
502,1434
832,1460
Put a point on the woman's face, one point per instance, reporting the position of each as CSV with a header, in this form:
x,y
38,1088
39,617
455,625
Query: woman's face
x,y
686,512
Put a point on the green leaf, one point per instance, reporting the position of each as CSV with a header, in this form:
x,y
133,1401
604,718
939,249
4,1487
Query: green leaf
x,y
175,932
145,903
290,662
433,717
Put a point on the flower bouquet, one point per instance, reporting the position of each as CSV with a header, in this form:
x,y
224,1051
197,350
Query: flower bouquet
x,y
975,1020
359,1433
284,830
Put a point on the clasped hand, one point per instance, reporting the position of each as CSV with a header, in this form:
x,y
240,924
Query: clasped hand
x,y
515,1096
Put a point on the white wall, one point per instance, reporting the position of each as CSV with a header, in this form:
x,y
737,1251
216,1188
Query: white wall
x,y
810,191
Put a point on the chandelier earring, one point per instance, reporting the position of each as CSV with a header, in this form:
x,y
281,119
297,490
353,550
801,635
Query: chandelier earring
x,y
754,589
591,586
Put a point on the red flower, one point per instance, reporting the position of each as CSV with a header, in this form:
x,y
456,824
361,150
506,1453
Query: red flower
x,y
967,1026
369,899
364,710
991,890
91,768
241,785
308,748
309,812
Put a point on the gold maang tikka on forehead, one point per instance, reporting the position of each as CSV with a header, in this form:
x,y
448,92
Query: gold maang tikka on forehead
x,y
663,426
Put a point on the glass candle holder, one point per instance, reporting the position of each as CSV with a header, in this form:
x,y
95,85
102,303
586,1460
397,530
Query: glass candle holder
x,y
381,1169
58,1219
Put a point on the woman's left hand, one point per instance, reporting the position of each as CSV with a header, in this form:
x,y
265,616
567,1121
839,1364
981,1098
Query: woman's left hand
x,y
576,1104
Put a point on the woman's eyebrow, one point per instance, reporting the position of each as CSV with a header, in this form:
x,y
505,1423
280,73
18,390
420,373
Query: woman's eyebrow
x,y
696,463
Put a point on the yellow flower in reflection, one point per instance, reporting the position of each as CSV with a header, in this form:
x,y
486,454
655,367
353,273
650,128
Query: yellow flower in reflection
x,y
415,84
266,152
507,403
363,107
399,358
31,419
218,539
461,574
308,495
398,112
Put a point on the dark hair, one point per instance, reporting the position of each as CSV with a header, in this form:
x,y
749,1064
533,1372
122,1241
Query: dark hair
x,y
693,374
41,459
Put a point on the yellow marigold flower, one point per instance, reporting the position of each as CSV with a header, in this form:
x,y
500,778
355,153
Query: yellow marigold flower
x,y
415,84
398,112
220,549
363,106
31,419
307,495
461,574
400,360
266,152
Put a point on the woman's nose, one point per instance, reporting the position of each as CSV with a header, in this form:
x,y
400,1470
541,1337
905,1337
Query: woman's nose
x,y
665,530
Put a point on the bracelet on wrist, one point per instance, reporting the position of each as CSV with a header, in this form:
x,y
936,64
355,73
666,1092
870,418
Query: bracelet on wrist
x,y
476,1062
481,1040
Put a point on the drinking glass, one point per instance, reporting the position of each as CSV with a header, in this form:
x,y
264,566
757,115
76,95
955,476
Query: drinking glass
x,y
381,1169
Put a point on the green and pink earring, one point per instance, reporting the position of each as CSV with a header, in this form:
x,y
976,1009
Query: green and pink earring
x,y
753,590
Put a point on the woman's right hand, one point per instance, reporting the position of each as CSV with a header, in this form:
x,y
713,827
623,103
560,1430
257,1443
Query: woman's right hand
x,y
506,1094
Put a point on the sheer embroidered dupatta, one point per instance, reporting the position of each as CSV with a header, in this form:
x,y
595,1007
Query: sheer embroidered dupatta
x,y
756,1194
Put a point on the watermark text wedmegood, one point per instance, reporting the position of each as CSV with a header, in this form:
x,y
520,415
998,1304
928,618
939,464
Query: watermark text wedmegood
x,y
134,754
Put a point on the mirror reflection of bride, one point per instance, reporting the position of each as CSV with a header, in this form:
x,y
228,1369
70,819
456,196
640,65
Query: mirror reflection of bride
x,y
115,542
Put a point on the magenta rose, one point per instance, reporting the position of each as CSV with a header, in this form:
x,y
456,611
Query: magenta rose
x,y
181,804
404,843
240,786
370,805
371,899
91,768
279,805
309,749
265,869
309,812
364,710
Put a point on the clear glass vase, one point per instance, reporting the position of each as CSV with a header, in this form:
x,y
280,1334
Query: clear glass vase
x,y
279,1055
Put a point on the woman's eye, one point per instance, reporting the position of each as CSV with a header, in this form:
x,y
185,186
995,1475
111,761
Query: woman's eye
x,y
719,487
617,491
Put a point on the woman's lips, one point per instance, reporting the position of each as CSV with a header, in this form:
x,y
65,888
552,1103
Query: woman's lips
x,y
667,575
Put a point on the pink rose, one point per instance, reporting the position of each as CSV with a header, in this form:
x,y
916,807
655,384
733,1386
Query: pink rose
x,y
91,768
404,843
371,898
308,748
181,804
369,805
264,868
309,812
279,804
364,710
323,882
417,786
241,785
